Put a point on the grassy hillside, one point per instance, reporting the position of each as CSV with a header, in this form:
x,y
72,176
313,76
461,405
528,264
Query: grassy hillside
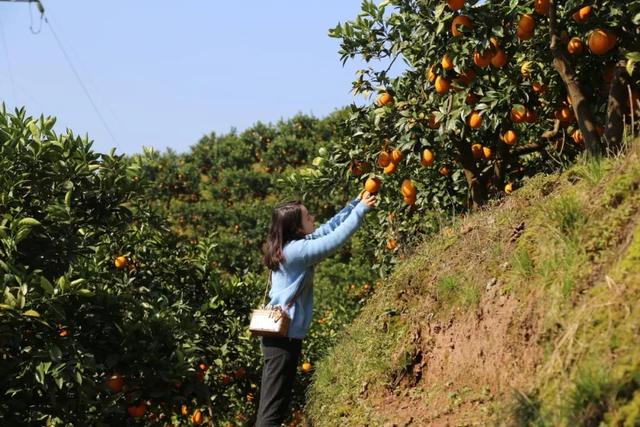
x,y
525,313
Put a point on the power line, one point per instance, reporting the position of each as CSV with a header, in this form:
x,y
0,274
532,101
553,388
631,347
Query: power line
x,y
81,83
70,63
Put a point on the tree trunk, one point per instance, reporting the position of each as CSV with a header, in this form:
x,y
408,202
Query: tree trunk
x,y
616,104
477,191
580,105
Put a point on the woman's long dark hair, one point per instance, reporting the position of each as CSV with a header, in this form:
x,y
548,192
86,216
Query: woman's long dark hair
x,y
286,225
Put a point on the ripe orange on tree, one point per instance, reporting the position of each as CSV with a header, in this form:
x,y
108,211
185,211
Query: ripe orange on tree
x,y
476,150
427,157
487,153
384,98
575,47
474,120
396,155
391,168
517,116
601,41
444,171
197,417
527,23
582,15
455,4
306,367
410,200
530,116
407,188
508,188
538,87
136,411
577,136
392,244
510,137
384,158
460,20
446,62
499,59
115,383
372,185
484,59
63,333
120,262
431,75
442,85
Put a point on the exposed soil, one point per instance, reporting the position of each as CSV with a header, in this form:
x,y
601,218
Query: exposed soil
x,y
462,365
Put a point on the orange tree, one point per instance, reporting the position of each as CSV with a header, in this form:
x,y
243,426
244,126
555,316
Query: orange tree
x,y
487,87
492,92
107,317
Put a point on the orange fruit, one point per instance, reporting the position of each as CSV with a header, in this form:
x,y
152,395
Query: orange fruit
x,y
487,153
115,383
577,136
524,35
384,98
444,171
499,59
407,188
455,4
508,188
384,158
530,116
203,366
565,114
372,185
527,23
410,200
495,42
433,124
63,333
582,14
391,168
541,7
510,137
431,75
250,397
601,41
306,367
184,410
575,47
396,156
392,244
484,59
517,116
446,62
136,411
460,20
427,157
476,150
442,85
120,262
474,120
197,418
538,87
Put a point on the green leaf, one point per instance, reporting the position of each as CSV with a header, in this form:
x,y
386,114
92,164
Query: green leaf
x,y
28,222
46,285
31,313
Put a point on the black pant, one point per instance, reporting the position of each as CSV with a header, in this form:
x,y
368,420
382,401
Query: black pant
x,y
281,357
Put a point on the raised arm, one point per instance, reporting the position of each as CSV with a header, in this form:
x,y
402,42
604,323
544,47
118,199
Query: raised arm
x,y
335,221
312,251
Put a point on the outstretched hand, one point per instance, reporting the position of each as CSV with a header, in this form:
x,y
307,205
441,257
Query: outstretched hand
x,y
367,198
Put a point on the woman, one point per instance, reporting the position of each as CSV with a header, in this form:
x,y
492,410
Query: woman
x,y
292,250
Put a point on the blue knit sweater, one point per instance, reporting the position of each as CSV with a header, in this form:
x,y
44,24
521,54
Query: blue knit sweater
x,y
301,256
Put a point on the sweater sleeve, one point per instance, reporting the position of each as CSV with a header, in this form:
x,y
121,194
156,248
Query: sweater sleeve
x,y
311,251
337,219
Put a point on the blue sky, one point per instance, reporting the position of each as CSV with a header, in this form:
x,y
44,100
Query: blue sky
x,y
164,74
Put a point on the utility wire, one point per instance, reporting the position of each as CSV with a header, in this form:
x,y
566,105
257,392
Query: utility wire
x,y
77,75
6,51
